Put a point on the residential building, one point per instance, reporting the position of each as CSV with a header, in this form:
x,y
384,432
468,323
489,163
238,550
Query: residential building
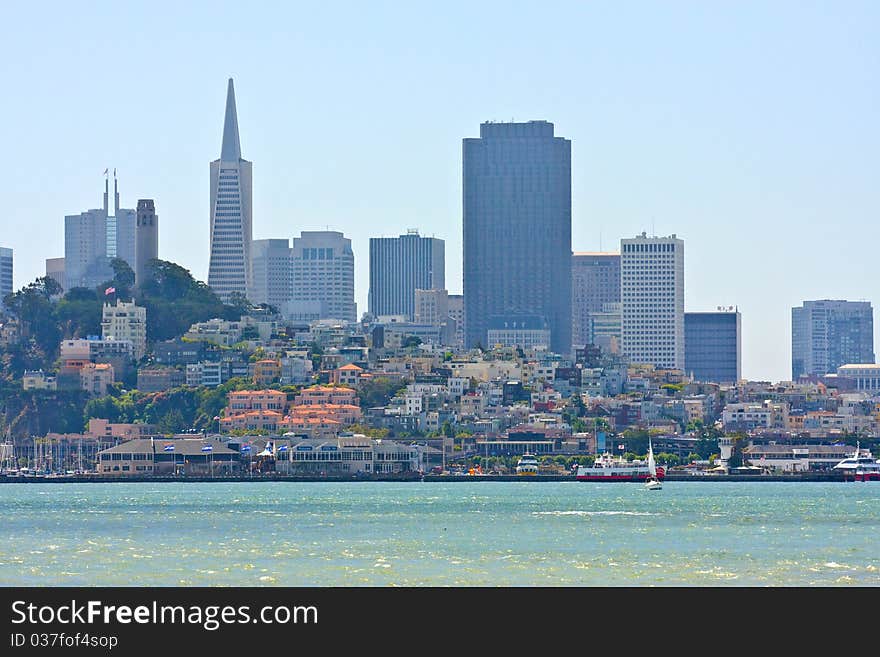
x,y
146,240
401,265
96,377
267,371
126,321
517,229
322,395
713,346
229,269
826,334
38,380
322,284
271,265
101,428
208,374
157,379
180,352
5,274
595,282
652,298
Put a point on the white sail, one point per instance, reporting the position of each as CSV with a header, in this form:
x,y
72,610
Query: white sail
x,y
652,467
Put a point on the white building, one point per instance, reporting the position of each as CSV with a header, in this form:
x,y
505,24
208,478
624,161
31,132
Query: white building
x,y
126,321
322,284
652,298
270,261
229,269
866,376
767,415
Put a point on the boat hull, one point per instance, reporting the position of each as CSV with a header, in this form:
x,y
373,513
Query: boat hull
x,y
634,476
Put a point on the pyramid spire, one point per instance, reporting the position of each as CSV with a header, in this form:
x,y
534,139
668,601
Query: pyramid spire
x,y
231,149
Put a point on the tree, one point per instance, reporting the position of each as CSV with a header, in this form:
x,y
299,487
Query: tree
x,y
123,277
238,305
411,341
378,391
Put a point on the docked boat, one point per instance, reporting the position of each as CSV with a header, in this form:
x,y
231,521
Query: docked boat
x,y
527,465
608,467
861,466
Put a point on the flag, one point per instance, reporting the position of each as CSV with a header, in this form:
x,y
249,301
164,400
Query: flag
x,y
109,290
169,447
283,448
621,447
246,448
207,448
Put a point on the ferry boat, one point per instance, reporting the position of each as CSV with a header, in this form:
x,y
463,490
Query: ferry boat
x,y
608,467
861,466
527,465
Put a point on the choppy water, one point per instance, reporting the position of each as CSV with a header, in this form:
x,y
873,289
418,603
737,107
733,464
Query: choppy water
x,y
460,534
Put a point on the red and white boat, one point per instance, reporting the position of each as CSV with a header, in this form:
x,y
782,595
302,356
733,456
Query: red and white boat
x,y
608,467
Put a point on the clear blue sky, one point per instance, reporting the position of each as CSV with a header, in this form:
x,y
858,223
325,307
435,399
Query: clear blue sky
x,y
749,129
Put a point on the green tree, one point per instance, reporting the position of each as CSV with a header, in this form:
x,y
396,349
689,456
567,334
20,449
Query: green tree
x,y
378,391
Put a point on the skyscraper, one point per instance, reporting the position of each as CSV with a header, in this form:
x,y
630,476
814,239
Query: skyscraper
x,y
826,334
713,346
517,229
652,298
401,265
146,238
229,269
271,264
595,281
92,239
323,277
5,273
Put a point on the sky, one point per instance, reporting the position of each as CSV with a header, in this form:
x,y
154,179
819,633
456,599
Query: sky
x,y
748,129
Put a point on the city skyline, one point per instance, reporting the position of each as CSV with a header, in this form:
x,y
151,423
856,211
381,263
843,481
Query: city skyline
x,y
763,176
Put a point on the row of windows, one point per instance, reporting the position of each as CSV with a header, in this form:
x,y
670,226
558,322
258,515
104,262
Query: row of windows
x,y
649,248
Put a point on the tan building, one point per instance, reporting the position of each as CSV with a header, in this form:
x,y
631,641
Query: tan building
x,y
326,395
96,377
38,380
101,428
267,372
347,375
126,321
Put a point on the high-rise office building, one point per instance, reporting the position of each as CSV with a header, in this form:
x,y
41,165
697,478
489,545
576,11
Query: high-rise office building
x,y
5,273
455,307
401,265
713,346
271,265
229,269
92,239
595,281
322,281
55,270
517,230
652,300
146,238
826,334
431,307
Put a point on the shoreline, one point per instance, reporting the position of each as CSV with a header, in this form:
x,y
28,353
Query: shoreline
x,y
431,478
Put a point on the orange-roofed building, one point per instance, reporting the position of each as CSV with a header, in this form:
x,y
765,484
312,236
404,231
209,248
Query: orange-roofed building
x,y
256,400
319,395
347,375
267,372
251,420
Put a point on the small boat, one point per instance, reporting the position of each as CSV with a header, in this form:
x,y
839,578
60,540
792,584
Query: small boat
x,y
527,465
652,482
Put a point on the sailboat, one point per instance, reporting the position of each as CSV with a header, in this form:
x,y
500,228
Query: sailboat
x,y
652,482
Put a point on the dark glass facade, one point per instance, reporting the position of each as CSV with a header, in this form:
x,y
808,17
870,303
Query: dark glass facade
x,y
517,228
713,346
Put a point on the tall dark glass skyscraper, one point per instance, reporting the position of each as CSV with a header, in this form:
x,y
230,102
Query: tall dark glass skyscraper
x,y
517,229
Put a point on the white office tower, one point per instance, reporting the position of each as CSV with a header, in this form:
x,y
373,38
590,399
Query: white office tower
x,y
652,300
